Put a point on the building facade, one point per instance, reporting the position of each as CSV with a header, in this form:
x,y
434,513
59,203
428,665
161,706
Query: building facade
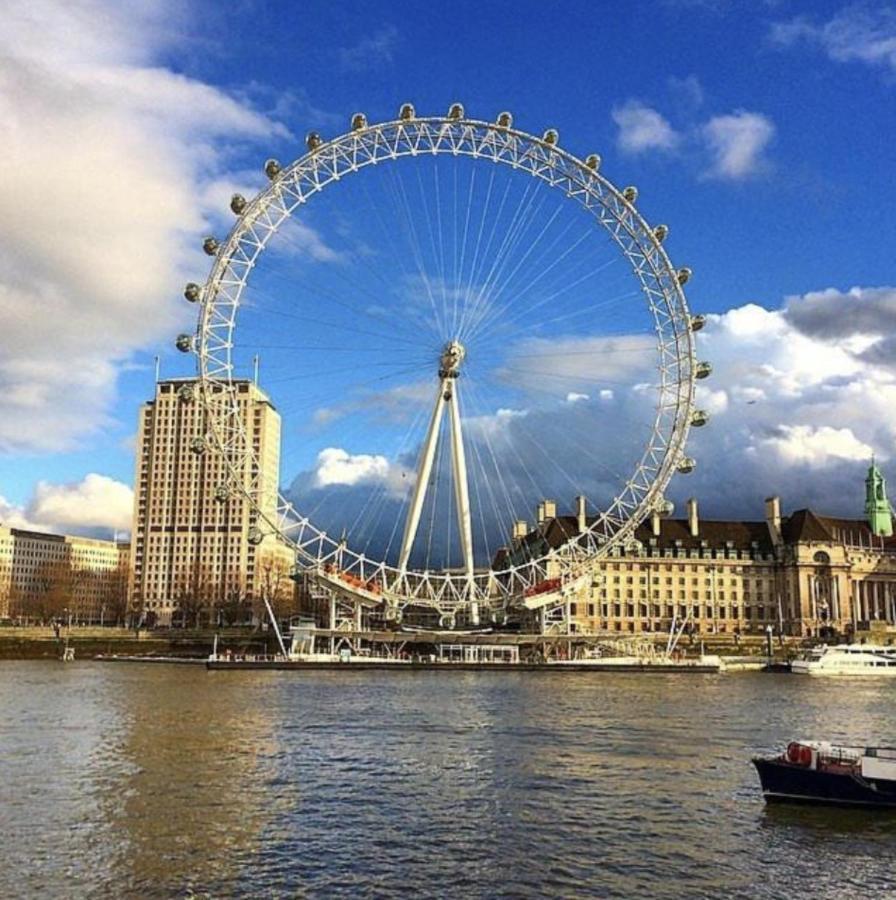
x,y
198,544
804,574
45,576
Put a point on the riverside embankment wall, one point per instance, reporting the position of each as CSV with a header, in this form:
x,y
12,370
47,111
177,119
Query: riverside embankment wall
x,y
36,642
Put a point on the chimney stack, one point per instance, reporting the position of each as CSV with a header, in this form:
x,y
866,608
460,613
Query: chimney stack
x,y
550,509
581,517
539,514
773,519
520,529
655,522
693,521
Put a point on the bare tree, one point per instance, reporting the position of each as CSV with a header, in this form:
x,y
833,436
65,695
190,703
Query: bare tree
x,y
196,596
235,608
274,585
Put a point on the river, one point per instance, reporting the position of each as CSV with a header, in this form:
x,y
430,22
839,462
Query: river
x,y
157,781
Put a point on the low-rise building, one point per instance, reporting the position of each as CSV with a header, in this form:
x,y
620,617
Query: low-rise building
x,y
803,574
44,576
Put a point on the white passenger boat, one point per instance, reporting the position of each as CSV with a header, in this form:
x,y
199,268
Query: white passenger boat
x,y
847,659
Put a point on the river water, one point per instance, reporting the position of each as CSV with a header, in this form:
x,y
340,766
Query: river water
x,y
157,781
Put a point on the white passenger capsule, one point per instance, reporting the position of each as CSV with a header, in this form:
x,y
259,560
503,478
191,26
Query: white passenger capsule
x,y
665,508
237,204
697,322
661,232
505,120
551,136
185,393
699,417
593,161
184,343
222,493
313,140
197,445
255,536
683,275
211,246
703,370
456,111
192,292
630,193
686,465
359,122
272,169
407,112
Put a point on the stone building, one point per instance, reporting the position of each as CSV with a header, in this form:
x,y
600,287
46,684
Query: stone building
x,y
44,576
802,574
194,546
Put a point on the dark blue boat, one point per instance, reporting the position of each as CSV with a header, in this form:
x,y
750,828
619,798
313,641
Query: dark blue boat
x,y
817,772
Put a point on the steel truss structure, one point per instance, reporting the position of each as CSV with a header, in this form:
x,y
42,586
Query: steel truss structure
x,y
371,582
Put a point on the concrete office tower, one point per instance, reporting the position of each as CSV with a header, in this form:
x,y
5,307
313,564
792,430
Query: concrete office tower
x,y
192,548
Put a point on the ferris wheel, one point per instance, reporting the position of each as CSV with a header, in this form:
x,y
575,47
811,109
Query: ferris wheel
x,y
459,321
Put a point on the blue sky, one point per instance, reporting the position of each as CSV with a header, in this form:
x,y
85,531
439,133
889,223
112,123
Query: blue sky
x,y
761,132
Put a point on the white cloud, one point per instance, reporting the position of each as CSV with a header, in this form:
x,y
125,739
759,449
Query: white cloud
x,y
299,238
97,504
397,404
857,33
370,52
688,92
643,128
336,466
805,405
573,364
573,397
737,143
107,157
817,447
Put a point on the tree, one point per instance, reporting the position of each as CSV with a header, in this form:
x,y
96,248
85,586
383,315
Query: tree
x,y
196,597
114,593
273,584
235,608
50,592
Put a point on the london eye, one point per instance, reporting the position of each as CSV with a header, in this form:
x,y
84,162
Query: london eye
x,y
460,323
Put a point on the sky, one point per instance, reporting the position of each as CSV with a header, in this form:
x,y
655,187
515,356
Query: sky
x,y
760,132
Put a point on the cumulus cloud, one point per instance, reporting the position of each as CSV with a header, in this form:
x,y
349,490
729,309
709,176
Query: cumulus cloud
x,y
737,144
805,406
107,158
833,314
95,506
336,466
859,32
370,52
643,128
817,447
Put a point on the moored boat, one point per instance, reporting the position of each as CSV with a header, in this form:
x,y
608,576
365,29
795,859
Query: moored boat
x,y
847,659
819,772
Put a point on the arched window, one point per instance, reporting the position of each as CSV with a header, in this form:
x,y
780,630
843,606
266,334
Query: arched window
x,y
822,558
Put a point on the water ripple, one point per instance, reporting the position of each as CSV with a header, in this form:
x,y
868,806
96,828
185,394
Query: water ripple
x,y
174,782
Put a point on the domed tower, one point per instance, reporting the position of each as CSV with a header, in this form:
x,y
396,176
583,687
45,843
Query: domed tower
x,y
877,507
